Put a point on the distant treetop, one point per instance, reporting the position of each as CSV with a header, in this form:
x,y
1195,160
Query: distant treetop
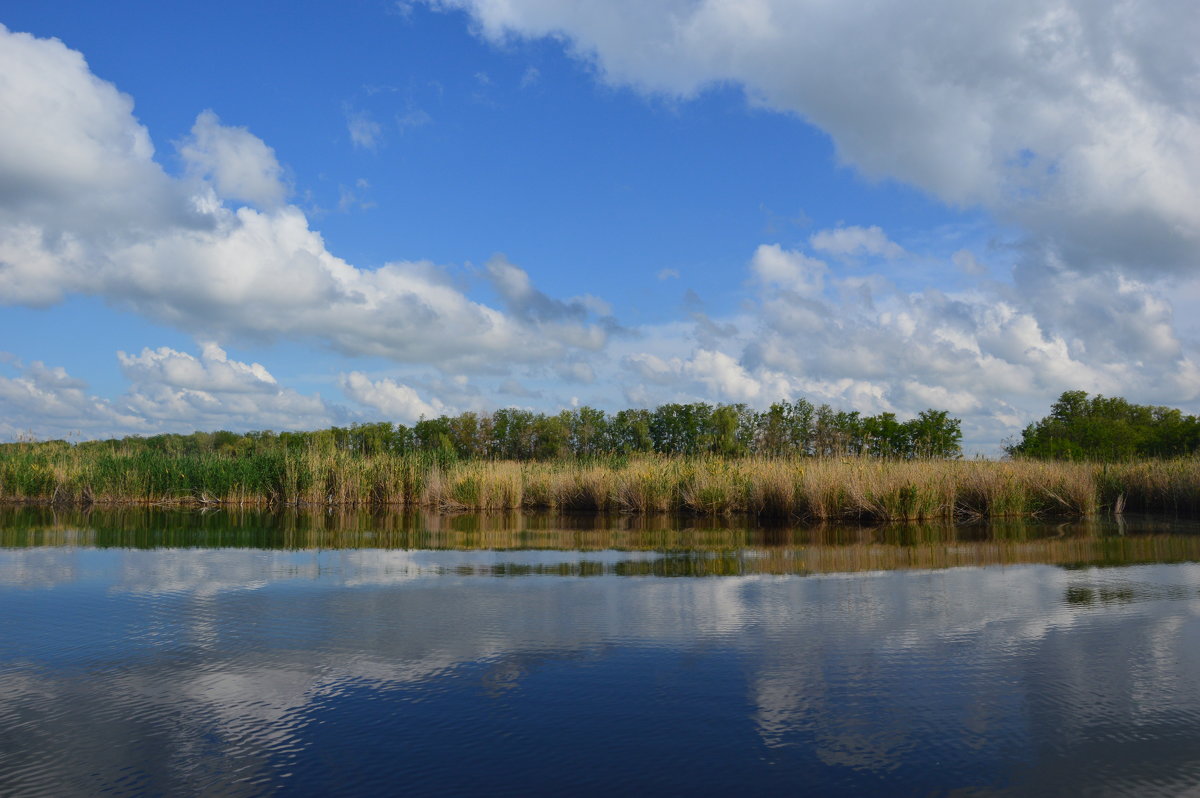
x,y
785,429
1107,428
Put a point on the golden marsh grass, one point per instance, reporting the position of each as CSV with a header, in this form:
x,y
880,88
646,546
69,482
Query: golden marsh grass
x,y
861,489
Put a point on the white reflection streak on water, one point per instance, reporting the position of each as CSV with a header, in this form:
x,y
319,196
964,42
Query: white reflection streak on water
x,y
1156,678
39,568
993,610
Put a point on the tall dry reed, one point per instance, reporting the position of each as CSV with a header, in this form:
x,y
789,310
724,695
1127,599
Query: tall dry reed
x,y
860,489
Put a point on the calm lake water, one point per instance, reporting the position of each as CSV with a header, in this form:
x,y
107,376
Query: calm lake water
x,y
244,654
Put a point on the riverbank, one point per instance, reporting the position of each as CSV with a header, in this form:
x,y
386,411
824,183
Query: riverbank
x,y
861,489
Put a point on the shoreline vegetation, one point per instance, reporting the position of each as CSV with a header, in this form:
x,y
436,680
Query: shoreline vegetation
x,y
791,461
859,488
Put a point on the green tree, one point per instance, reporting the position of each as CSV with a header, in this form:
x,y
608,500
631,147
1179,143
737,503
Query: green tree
x,y
1107,428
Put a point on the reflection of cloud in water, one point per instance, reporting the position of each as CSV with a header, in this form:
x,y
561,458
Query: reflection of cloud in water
x,y
243,643
212,571
990,649
38,568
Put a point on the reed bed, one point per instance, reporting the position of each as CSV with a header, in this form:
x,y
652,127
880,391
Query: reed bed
x,y
853,489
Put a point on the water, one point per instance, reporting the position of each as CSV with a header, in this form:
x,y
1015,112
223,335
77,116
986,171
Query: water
x,y
202,654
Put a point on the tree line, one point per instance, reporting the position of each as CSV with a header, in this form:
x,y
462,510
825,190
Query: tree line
x,y
785,429
1107,428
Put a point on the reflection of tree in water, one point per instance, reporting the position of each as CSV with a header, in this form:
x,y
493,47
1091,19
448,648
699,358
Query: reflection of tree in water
x,y
684,546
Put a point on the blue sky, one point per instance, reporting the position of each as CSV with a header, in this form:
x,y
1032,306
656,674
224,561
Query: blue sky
x,y
276,215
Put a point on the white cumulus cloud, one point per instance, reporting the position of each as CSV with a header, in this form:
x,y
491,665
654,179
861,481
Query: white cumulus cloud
x,y
212,371
85,209
789,269
239,164
396,401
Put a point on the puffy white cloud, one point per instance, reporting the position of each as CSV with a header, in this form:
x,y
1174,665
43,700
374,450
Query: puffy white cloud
x,y
1078,120
723,375
396,401
169,391
75,166
239,164
789,269
164,408
84,209
268,274
212,371
68,132
708,374
177,391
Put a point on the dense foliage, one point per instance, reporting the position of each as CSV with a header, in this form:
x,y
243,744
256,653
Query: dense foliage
x,y
1108,428
786,429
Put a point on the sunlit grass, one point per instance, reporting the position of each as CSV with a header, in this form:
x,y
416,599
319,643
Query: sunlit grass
x,y
861,489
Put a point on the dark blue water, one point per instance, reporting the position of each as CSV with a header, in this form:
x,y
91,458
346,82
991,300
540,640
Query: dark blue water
x,y
249,671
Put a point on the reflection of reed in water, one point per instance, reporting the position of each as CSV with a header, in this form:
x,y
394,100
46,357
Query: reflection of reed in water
x,y
688,545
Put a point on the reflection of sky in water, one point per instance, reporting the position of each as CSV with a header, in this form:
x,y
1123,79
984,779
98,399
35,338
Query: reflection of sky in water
x,y
184,670
208,570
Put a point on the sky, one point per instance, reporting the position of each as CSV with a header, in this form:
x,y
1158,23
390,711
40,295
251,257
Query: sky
x,y
282,215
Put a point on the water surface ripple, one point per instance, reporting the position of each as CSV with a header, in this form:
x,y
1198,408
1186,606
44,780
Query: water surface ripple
x,y
527,656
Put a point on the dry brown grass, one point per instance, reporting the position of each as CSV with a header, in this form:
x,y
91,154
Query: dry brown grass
x,y
847,489
858,489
